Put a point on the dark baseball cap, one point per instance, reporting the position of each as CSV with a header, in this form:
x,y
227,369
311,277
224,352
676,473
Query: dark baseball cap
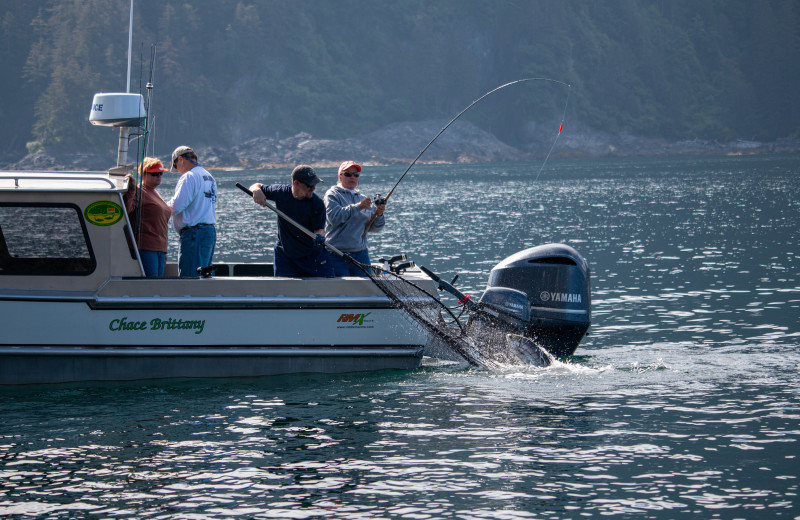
x,y
305,174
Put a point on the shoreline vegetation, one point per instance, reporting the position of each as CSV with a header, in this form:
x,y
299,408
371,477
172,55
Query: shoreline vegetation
x,y
273,84
400,143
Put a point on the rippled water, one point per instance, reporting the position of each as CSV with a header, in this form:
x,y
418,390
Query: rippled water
x,y
683,401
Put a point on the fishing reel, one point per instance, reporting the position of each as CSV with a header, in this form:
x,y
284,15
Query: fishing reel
x,y
397,264
378,200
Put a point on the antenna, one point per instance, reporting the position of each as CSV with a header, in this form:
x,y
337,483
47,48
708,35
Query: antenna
x,y
123,110
124,131
130,46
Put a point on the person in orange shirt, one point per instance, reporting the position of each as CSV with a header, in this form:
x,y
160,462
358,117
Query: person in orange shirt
x,y
150,224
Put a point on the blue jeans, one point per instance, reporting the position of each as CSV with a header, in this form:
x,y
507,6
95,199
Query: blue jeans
x,y
344,268
153,262
197,249
315,264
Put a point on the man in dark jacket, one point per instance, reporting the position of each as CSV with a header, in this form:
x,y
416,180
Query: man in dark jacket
x,y
296,254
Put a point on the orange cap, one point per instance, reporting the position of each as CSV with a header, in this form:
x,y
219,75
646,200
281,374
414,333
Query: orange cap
x,y
157,167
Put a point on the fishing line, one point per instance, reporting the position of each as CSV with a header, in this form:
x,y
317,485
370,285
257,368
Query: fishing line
x,y
454,120
560,128
541,168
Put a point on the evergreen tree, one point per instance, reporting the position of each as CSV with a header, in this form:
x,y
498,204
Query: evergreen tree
x,y
229,70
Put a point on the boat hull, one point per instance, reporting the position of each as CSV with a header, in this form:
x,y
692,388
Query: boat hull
x,y
27,365
188,328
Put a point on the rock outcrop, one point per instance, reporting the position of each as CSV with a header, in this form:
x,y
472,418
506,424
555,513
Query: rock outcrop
x,y
400,143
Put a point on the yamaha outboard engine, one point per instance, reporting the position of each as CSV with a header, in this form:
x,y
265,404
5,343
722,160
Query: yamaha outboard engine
x,y
555,280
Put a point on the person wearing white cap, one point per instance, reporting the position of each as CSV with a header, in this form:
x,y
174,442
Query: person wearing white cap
x,y
194,212
347,212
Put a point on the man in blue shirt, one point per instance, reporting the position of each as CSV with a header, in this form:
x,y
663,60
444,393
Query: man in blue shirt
x,y
296,254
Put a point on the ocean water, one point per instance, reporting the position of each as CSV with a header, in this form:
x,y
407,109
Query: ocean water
x,y
682,402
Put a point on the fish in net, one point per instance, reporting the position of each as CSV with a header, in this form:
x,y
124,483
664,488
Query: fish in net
x,y
475,334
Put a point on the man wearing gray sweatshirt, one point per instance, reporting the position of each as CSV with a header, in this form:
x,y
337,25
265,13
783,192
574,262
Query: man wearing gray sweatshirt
x,y
347,213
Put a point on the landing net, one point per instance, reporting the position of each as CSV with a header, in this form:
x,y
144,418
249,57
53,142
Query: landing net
x,y
427,311
480,342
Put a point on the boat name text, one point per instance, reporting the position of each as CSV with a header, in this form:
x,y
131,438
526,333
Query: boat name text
x,y
158,324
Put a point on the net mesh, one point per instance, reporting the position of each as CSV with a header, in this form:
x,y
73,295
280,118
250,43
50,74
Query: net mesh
x,y
473,335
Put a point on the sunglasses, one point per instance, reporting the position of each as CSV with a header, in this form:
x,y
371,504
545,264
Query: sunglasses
x,y
157,174
175,162
351,174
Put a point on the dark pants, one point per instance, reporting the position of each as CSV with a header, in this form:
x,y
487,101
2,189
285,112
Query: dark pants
x,y
153,262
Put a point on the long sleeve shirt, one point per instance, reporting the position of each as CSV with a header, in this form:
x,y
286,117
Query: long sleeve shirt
x,y
345,220
195,199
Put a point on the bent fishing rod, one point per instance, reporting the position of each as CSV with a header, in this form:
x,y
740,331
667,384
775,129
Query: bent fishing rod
x,y
561,127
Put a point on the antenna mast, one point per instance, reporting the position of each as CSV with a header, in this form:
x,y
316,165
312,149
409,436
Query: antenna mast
x,y
130,46
124,131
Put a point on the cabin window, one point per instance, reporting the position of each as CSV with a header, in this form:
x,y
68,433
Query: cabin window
x,y
44,239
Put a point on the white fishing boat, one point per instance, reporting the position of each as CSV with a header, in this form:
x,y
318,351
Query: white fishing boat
x,y
75,304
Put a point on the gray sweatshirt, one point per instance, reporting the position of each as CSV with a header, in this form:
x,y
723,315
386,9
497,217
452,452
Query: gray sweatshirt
x,y
345,221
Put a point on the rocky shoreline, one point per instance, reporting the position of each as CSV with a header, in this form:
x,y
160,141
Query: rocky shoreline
x,y
400,143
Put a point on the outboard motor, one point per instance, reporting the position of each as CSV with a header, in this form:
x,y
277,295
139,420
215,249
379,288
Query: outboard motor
x,y
555,280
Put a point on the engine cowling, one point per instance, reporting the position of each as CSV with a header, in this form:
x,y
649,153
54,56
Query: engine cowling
x,y
556,280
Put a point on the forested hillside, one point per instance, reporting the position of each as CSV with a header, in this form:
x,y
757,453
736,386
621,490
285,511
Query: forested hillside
x,y
230,70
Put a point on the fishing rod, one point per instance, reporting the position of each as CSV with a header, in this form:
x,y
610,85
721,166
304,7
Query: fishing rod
x,y
561,127
145,132
149,88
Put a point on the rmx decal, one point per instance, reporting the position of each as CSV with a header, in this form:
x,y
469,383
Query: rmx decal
x,y
355,319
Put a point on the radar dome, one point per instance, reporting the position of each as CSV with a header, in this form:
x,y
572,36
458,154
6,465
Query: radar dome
x,y
117,109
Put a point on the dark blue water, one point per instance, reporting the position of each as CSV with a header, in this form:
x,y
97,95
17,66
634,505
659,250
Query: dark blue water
x,y
683,401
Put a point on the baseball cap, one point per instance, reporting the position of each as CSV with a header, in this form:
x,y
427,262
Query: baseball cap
x,y
305,174
348,164
180,151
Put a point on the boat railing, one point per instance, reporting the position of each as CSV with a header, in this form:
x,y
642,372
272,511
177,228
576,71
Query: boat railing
x,y
69,181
